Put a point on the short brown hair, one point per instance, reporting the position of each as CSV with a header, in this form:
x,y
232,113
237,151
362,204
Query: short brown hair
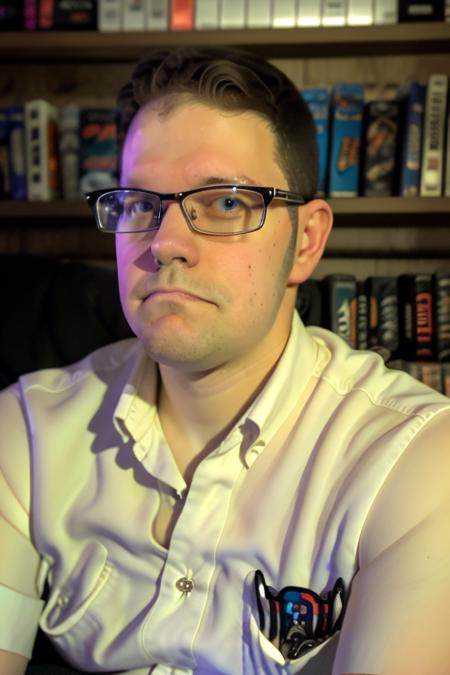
x,y
235,80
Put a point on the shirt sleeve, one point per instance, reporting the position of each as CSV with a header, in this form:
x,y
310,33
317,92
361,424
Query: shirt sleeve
x,y
20,606
396,622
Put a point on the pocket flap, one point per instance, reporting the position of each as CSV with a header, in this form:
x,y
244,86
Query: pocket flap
x,y
70,599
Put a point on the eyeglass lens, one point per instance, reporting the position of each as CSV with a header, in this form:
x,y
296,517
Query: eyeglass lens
x,y
219,211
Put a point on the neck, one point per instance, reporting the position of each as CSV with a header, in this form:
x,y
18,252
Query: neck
x,y
197,411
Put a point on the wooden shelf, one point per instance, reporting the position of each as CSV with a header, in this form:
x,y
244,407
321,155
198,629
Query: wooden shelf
x,y
398,211
59,46
358,211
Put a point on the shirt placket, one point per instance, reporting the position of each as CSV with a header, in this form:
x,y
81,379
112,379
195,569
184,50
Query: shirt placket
x,y
188,573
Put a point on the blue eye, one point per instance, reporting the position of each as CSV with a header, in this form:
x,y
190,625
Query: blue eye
x,y
141,206
228,204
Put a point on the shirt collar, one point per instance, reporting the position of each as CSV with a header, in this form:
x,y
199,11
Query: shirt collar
x,y
136,407
136,412
298,363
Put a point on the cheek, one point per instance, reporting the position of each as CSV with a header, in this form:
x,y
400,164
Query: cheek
x,y
255,278
129,259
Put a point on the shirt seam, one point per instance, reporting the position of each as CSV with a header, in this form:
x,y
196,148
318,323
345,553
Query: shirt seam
x,y
77,377
389,404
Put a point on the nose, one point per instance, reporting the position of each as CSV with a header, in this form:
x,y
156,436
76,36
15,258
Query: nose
x,y
174,240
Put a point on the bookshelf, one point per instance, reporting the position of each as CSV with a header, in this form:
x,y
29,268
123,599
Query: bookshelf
x,y
417,38
88,67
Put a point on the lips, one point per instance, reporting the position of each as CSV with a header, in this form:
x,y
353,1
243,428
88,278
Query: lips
x,y
173,292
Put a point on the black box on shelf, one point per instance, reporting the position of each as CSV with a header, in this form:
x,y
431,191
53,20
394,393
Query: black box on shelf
x,y
420,10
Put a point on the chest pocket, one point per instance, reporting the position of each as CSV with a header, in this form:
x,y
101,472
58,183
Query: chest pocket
x,y
261,657
73,594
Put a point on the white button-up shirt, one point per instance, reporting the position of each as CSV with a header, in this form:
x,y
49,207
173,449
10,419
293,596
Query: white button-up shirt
x,y
87,475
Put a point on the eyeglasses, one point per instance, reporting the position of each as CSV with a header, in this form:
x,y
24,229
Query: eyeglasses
x,y
217,210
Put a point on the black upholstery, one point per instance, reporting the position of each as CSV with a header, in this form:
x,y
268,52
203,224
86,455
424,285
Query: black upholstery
x,y
54,312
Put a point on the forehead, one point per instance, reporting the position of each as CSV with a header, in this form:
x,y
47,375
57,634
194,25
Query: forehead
x,y
196,140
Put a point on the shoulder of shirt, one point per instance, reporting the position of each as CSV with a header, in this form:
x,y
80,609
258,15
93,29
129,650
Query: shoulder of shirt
x,y
348,370
113,358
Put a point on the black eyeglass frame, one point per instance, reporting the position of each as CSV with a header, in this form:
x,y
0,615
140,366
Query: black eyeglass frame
x,y
268,194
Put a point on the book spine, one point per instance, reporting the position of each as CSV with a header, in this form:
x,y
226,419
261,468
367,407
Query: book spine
x,y
232,14
74,14
46,14
406,312
379,148
206,14
446,378
30,14
360,12
441,293
446,189
98,149
309,13
182,15
383,316
109,16
433,140
41,133
339,306
362,317
386,12
11,15
334,13
423,317
133,18
69,151
431,375
16,148
259,14
284,14
5,183
421,10
346,129
413,106
157,15
309,302
318,101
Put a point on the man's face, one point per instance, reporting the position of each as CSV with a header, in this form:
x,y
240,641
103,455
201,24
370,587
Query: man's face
x,y
212,302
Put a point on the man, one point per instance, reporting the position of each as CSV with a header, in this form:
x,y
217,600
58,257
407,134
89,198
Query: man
x,y
229,493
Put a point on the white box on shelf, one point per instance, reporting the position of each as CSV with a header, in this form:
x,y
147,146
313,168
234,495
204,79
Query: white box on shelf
x,y
431,180
133,16
157,15
360,12
259,14
385,11
206,14
109,16
334,13
41,143
309,13
232,14
284,14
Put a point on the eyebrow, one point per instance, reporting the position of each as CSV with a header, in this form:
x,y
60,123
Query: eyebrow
x,y
226,180
208,180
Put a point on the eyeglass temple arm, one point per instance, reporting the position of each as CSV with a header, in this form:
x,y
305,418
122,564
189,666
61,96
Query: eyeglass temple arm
x,y
287,196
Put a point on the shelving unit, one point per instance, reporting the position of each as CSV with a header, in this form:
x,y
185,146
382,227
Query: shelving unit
x,y
88,68
416,38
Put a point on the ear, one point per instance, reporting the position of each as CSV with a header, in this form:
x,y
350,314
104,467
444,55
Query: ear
x,y
314,227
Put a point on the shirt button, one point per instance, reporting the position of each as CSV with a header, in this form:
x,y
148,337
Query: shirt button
x,y
184,585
